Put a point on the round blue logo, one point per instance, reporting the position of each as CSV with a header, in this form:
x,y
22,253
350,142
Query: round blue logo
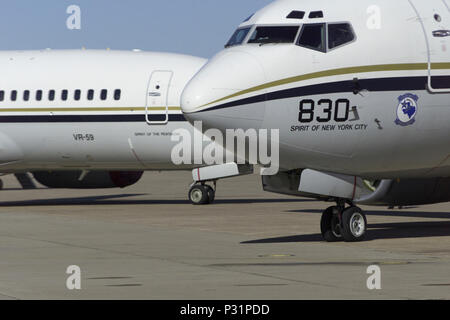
x,y
407,109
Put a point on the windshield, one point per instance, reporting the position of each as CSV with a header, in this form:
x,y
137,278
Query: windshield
x,y
285,34
339,34
238,37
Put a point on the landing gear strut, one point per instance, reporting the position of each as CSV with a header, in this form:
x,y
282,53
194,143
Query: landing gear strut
x,y
339,223
201,194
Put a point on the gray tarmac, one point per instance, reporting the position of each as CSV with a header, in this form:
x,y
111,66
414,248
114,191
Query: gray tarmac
x,y
148,242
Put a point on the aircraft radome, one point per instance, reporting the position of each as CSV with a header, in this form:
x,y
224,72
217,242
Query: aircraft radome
x,y
360,94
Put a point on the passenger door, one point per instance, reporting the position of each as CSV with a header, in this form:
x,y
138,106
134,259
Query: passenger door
x,y
435,19
157,101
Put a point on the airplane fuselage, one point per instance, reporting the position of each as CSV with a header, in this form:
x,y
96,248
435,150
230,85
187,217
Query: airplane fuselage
x,y
371,100
87,109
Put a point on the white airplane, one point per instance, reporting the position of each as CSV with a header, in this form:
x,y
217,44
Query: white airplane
x,y
96,119
360,93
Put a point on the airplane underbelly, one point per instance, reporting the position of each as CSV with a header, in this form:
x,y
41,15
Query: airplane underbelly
x,y
83,145
9,150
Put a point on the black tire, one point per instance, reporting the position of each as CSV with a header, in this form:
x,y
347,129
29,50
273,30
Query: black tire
x,y
198,195
329,225
211,194
354,224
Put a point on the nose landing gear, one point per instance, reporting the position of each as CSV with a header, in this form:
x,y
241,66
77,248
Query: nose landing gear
x,y
339,223
201,194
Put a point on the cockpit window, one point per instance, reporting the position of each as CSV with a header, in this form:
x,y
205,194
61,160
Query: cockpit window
x,y
339,34
238,37
296,15
313,37
324,37
280,34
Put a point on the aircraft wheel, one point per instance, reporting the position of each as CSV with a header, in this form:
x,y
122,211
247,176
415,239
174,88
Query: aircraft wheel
x,y
211,194
354,224
330,225
1,184
198,195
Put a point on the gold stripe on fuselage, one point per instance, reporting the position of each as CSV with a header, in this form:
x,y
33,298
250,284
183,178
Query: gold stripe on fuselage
x,y
87,109
338,72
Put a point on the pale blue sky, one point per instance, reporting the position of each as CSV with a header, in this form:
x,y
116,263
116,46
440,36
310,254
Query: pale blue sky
x,y
197,27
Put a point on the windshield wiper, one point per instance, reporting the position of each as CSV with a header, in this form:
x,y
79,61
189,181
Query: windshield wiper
x,y
274,42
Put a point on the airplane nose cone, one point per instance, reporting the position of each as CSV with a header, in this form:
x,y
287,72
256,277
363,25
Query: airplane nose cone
x,y
218,88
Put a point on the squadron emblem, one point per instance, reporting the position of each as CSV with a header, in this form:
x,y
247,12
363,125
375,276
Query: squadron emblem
x,y
407,109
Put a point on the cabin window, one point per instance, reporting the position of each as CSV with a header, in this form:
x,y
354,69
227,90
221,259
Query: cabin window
x,y
238,37
104,94
2,95
26,95
38,95
64,95
278,34
90,94
14,95
77,95
339,34
313,36
51,95
117,94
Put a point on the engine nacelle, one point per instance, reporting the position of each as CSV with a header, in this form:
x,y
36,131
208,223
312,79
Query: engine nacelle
x,y
404,192
329,186
90,180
